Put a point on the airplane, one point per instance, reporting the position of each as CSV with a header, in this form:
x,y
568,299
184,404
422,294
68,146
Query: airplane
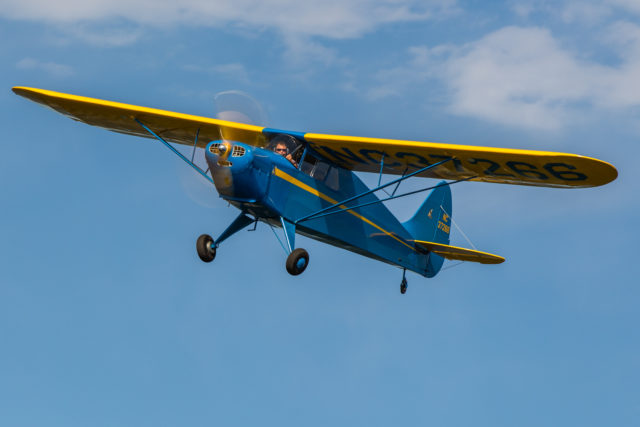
x,y
306,183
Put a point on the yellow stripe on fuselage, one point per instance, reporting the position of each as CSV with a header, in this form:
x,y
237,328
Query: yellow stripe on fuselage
x,y
281,174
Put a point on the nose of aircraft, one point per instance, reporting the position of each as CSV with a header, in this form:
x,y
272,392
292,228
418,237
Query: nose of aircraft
x,y
229,163
224,149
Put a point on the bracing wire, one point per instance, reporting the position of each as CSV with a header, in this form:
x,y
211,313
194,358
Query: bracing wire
x,y
463,234
452,265
459,229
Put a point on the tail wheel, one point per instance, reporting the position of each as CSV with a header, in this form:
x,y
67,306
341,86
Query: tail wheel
x,y
206,248
297,261
403,286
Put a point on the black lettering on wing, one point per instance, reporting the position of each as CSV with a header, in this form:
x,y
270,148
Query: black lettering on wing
x,y
568,174
423,162
344,158
366,153
492,169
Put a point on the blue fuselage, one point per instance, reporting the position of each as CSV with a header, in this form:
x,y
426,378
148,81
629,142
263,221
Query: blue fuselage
x,y
269,187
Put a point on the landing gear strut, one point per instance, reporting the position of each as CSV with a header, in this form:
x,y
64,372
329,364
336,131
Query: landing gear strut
x,y
297,261
206,248
403,284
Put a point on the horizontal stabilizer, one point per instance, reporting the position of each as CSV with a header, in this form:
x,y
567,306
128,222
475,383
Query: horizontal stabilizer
x,y
460,254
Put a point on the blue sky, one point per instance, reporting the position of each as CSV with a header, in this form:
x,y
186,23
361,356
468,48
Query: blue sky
x,y
108,318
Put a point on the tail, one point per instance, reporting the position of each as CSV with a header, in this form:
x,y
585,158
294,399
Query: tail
x,y
432,223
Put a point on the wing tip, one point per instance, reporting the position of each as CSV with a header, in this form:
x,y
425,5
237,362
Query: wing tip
x,y
604,172
19,90
28,92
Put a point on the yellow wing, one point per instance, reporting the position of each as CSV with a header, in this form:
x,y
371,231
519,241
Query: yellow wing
x,y
499,165
460,254
487,164
118,117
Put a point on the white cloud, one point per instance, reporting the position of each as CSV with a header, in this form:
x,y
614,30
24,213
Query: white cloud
x,y
55,69
524,77
515,76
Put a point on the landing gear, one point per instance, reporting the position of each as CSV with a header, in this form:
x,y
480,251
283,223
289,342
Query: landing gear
x,y
403,284
206,248
205,244
297,261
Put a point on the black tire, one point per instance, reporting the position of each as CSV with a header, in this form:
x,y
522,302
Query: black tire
x,y
297,261
206,248
403,286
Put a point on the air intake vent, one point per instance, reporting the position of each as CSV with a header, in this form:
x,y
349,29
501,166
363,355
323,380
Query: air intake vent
x,y
214,148
238,151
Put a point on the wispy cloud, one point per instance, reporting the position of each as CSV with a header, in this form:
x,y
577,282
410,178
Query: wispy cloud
x,y
234,71
304,50
52,68
629,5
299,23
588,12
113,34
327,18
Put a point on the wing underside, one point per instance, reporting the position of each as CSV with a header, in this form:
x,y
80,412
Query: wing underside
x,y
119,117
487,164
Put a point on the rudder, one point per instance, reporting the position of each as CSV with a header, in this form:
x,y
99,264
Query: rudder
x,y
432,223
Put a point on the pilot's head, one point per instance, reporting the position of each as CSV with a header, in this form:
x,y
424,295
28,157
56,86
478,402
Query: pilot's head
x,y
281,148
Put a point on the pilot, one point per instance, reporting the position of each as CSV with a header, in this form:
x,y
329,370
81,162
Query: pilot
x,y
282,149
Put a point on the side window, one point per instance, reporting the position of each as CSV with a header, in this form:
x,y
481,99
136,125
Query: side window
x,y
321,171
333,181
308,164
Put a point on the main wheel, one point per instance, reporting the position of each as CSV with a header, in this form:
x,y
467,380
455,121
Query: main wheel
x,y
297,261
206,248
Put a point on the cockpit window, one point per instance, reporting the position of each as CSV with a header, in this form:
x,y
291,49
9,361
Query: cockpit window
x,y
287,146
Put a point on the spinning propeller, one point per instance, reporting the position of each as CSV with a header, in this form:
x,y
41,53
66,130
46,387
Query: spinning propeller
x,y
231,105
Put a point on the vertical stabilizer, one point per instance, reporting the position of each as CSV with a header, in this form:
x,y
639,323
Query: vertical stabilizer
x,y
432,223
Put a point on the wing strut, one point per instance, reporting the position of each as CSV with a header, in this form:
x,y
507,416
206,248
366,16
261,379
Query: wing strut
x,y
345,209
179,154
195,144
380,176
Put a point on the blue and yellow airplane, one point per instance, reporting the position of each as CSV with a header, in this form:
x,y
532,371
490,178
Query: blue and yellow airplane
x,y
305,182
